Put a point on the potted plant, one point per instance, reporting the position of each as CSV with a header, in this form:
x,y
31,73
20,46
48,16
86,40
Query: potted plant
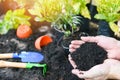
x,y
71,20
109,14
43,13
67,25
65,16
43,10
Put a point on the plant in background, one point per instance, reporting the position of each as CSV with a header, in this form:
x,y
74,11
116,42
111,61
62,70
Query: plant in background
x,y
13,19
47,10
109,12
78,7
70,20
67,24
64,14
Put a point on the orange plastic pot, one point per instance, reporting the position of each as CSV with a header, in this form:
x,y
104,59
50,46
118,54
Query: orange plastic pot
x,y
42,41
24,31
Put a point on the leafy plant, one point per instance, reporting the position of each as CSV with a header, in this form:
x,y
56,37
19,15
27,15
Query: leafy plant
x,y
67,24
78,7
62,13
69,21
109,12
47,10
13,19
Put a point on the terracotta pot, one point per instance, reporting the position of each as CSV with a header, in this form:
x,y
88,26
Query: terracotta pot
x,y
42,41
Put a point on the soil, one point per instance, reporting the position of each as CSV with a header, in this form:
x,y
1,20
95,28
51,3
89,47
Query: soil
x,y
88,55
58,66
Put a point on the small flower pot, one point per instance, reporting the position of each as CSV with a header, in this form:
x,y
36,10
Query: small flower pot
x,y
42,41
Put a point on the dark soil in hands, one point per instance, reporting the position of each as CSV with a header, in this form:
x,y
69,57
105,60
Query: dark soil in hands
x,y
89,55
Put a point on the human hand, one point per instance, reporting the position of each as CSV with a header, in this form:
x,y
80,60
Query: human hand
x,y
108,70
98,72
111,45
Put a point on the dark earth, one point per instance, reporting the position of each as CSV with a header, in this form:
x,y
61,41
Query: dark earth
x,y
88,55
56,58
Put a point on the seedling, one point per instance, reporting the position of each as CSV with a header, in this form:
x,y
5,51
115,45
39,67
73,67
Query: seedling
x,y
67,24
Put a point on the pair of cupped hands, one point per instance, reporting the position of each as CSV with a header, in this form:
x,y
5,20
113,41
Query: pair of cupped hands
x,y
109,69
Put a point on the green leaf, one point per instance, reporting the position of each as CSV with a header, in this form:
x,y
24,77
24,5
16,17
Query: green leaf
x,y
100,16
13,19
114,27
76,7
8,15
107,10
85,12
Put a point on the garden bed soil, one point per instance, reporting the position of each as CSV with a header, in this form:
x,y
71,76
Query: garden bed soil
x,y
58,66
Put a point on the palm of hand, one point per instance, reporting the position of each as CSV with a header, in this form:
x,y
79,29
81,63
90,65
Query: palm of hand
x,y
98,72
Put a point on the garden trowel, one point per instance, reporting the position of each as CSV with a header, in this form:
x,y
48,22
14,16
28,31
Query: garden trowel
x,y
22,65
24,56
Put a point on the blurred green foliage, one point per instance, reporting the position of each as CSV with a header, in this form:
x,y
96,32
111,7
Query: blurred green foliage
x,y
12,19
